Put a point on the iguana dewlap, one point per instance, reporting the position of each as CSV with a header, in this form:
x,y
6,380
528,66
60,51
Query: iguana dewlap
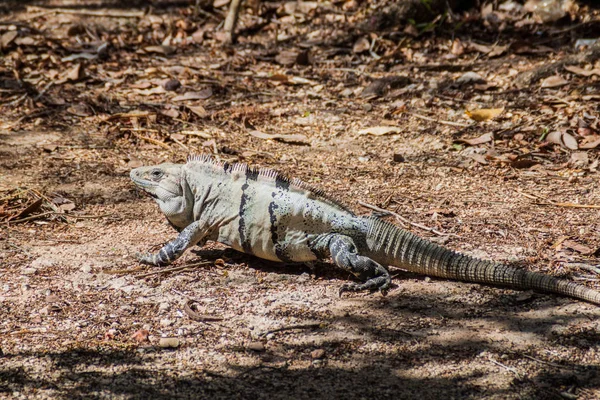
x,y
261,212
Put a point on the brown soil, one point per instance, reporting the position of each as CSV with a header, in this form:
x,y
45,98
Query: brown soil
x,y
74,312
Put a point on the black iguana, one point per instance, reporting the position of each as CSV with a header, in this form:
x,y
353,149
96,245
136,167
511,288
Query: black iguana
x,y
264,213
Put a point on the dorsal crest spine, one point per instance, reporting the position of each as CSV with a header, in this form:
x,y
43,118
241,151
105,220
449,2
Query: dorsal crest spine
x,y
265,175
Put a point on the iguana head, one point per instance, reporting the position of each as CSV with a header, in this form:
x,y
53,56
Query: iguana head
x,y
166,184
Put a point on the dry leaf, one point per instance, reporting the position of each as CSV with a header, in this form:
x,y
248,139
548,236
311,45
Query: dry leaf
x,y
554,81
140,335
166,50
498,50
173,113
486,137
554,137
150,92
379,130
361,45
198,110
590,144
581,71
201,95
484,114
578,247
298,138
569,141
562,138
7,38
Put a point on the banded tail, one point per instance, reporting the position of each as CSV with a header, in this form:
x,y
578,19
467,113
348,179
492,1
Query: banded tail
x,y
390,245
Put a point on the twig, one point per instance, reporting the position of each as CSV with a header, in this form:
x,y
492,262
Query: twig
x,y
153,141
539,200
36,216
547,362
174,269
404,221
291,327
587,267
90,13
439,121
196,316
506,367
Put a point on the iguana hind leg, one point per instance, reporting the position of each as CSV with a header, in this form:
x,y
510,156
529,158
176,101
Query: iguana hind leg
x,y
191,235
344,253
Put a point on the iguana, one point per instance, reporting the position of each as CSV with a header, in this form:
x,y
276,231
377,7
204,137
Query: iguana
x,y
265,213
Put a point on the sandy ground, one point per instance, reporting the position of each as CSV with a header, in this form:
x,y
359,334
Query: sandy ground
x,y
80,318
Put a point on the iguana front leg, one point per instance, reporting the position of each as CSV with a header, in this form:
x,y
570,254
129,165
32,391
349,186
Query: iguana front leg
x,y
345,255
191,235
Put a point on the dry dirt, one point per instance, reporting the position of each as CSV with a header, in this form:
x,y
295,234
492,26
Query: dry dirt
x,y
77,319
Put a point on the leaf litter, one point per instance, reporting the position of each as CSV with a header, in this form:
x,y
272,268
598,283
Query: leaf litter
x,y
382,107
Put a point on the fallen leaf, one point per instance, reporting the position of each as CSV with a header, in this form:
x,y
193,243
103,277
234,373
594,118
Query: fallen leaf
x,y
7,38
379,130
578,247
554,81
569,141
198,110
586,145
562,138
470,77
480,158
140,335
498,50
486,137
554,137
150,92
287,58
484,114
581,71
297,138
361,45
73,75
166,50
201,95
173,113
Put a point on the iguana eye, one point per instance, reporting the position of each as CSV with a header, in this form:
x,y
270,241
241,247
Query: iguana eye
x,y
157,173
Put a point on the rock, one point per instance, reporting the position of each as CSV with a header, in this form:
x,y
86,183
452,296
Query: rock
x,y
28,271
317,354
168,343
166,322
470,78
259,347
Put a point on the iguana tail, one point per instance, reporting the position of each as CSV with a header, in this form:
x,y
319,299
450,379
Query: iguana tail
x,y
390,245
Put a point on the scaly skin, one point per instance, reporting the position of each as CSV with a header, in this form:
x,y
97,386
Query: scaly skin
x,y
263,213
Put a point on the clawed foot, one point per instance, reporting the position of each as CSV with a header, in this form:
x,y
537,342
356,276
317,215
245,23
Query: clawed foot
x,y
381,283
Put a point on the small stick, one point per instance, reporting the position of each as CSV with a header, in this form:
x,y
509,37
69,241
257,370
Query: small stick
x,y
196,316
291,327
587,267
403,220
174,269
153,141
545,202
90,13
440,121
514,371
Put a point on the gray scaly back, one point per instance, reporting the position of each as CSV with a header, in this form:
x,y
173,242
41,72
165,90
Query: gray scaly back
x,y
265,213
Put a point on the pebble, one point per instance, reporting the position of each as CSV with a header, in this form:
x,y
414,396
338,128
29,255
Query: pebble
x,y
256,346
168,343
317,354
28,271
166,322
